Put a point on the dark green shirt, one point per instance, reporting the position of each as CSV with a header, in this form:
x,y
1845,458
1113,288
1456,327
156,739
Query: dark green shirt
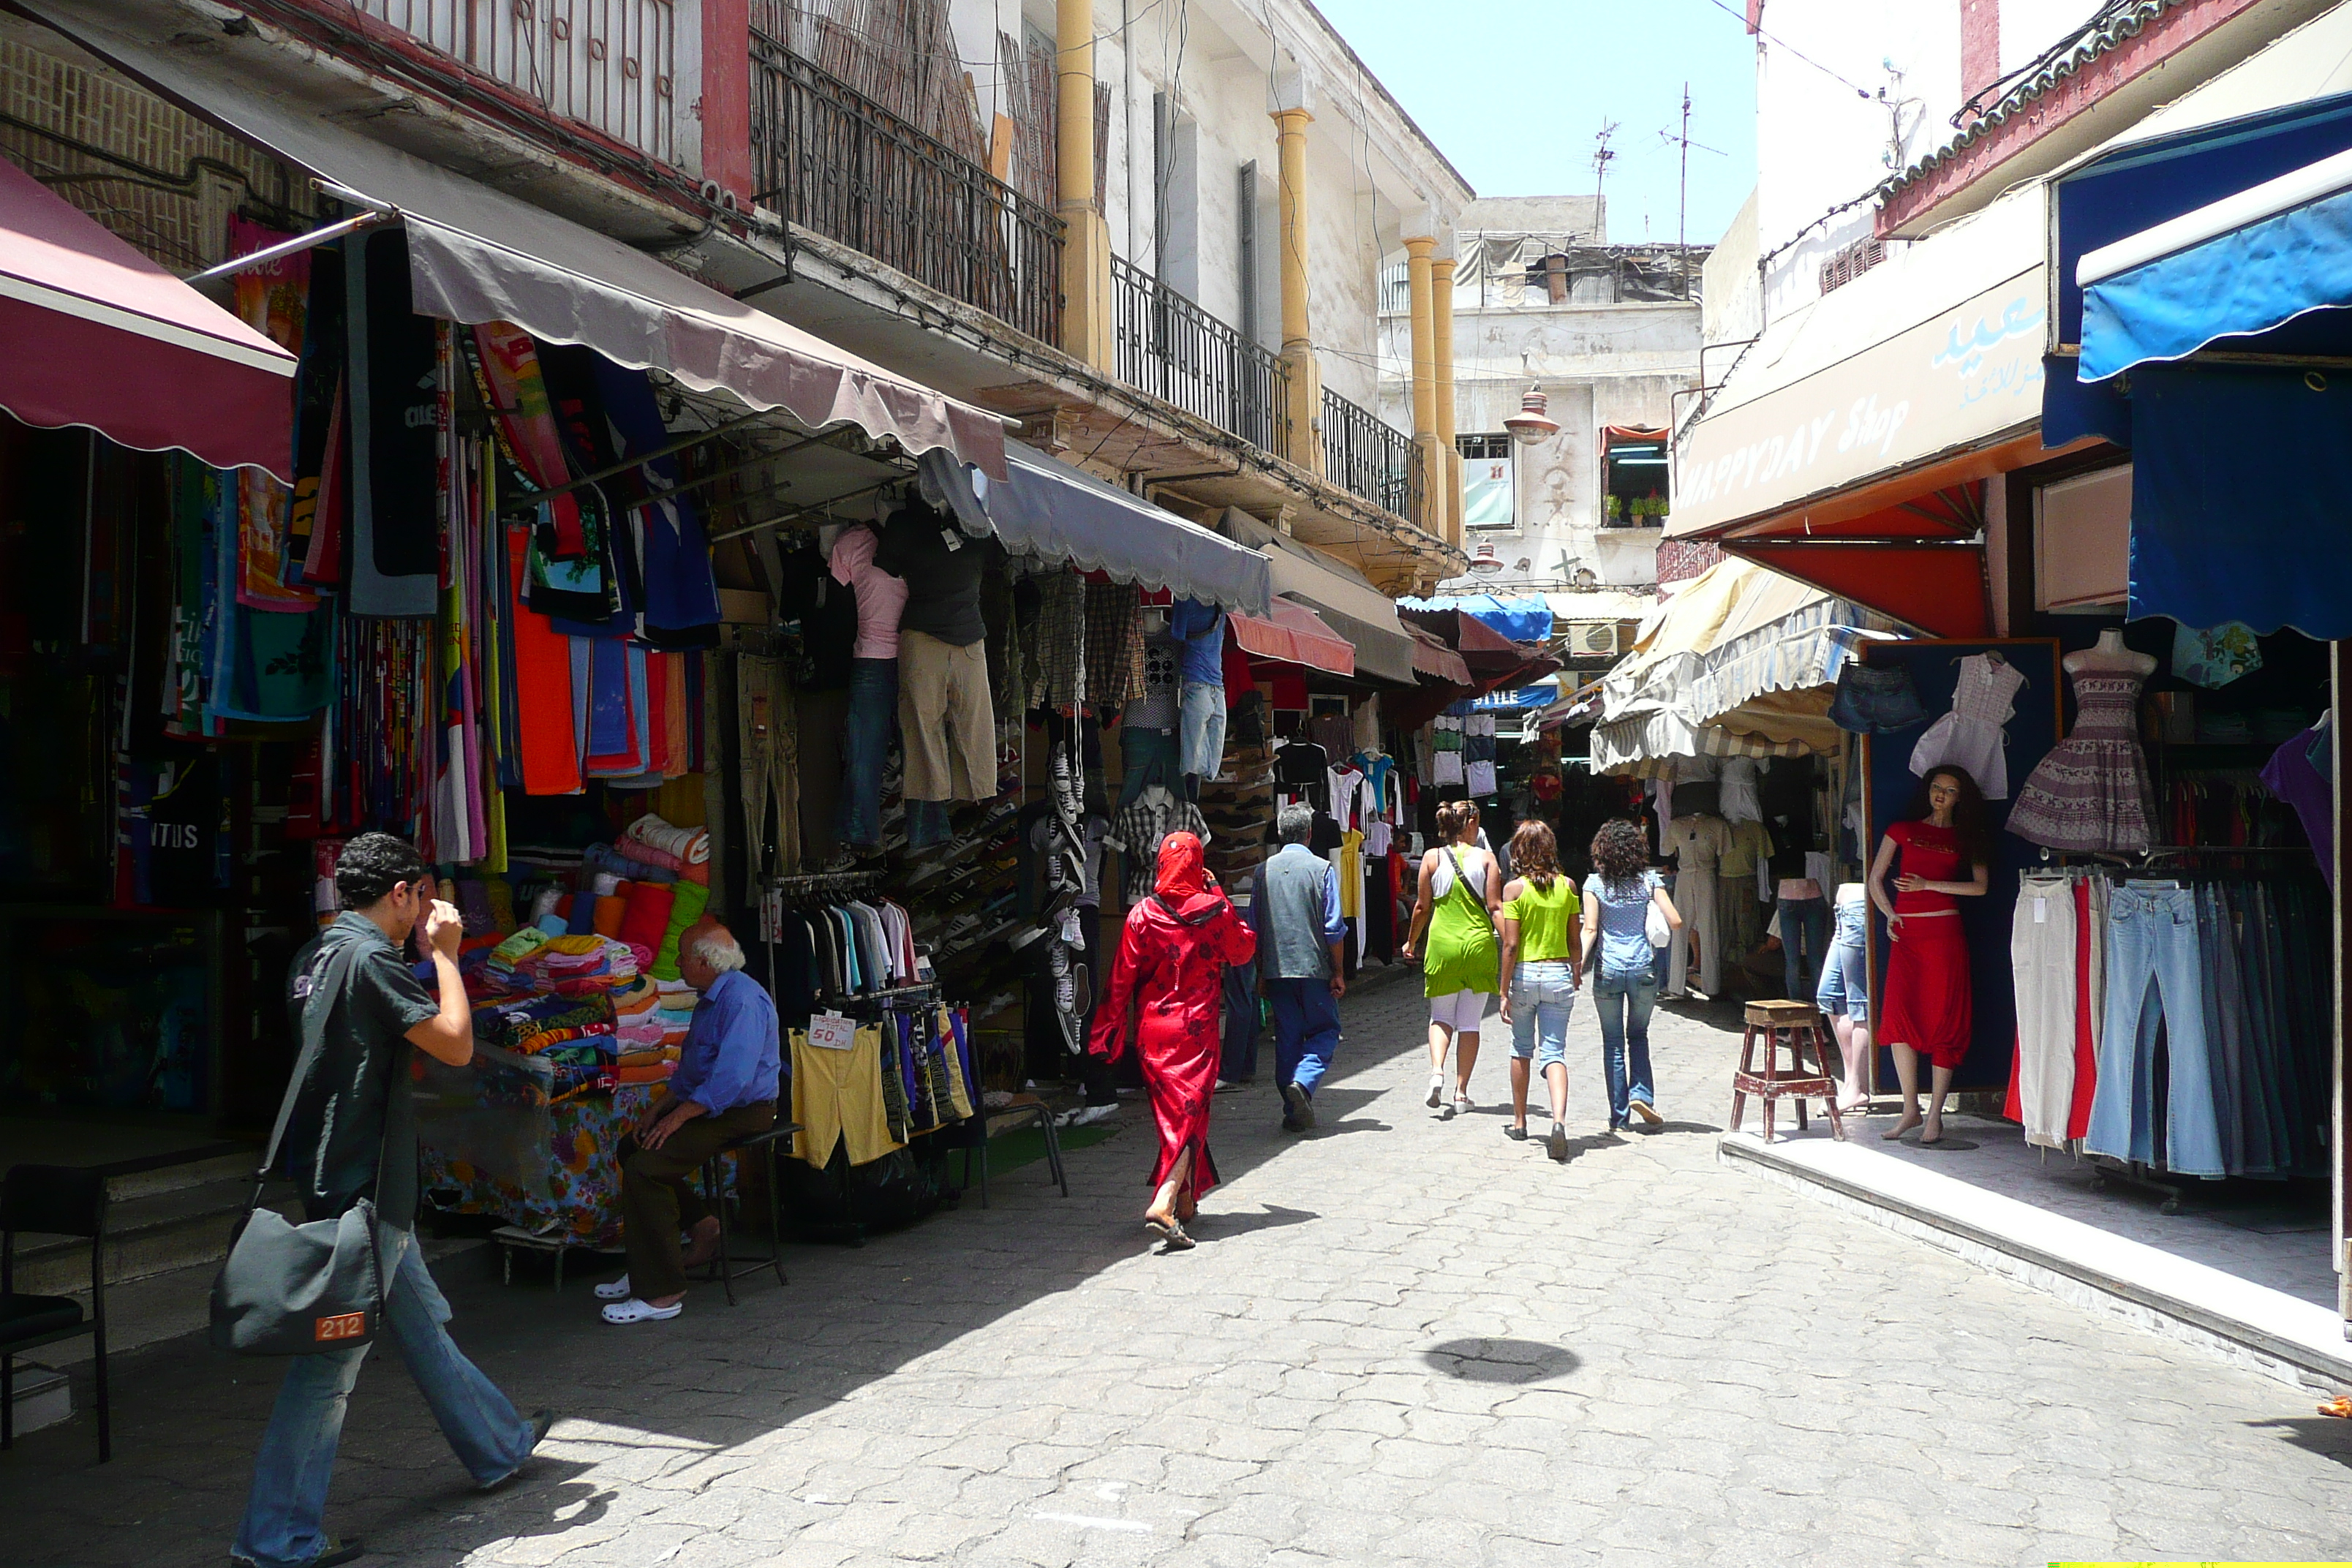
x,y
354,1103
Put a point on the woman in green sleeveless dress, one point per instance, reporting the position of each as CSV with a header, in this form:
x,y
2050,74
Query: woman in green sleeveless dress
x,y
1461,889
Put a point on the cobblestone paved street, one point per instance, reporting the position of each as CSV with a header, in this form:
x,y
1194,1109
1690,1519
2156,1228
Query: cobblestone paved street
x,y
1400,1340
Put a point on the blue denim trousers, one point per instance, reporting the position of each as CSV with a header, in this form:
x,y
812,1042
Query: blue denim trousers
x,y
1543,995
1202,726
1305,1030
288,1501
1804,941
1844,985
1623,1003
2153,973
865,745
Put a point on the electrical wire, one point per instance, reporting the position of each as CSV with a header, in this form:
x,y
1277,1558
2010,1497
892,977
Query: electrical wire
x,y
1724,6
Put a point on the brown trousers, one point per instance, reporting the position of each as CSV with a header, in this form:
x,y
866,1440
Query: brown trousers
x,y
660,1192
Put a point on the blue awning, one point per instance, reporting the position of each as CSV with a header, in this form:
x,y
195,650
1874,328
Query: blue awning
x,y
1518,700
1047,509
1521,620
2251,262
2135,188
2238,476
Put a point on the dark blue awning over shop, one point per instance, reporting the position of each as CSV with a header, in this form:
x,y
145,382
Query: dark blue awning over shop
x,y
1049,510
2239,479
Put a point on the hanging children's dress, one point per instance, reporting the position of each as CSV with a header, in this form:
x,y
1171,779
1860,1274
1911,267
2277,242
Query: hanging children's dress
x,y
1971,736
2091,793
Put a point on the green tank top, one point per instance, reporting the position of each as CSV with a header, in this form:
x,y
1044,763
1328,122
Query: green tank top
x,y
1460,954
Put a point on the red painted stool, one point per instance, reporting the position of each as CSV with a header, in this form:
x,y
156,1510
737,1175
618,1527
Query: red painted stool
x,y
1797,1027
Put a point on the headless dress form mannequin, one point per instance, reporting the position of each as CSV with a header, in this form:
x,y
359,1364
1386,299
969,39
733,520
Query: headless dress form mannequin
x,y
2111,654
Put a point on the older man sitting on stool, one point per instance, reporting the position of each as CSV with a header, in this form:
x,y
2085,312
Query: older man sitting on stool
x,y
724,1088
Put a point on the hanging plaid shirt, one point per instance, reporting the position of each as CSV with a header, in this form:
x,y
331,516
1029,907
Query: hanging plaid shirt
x,y
1114,643
1061,679
1140,826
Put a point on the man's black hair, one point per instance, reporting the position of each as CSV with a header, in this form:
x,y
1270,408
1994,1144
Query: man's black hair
x,y
370,863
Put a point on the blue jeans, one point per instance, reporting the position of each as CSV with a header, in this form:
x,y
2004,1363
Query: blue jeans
x,y
1543,994
865,743
927,824
1804,938
2152,956
1305,1030
1202,726
298,1453
1845,986
1624,1002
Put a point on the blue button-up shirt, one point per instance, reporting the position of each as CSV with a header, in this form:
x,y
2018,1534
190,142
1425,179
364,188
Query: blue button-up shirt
x,y
731,1055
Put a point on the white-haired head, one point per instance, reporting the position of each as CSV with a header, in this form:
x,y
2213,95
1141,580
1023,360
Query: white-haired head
x,y
716,946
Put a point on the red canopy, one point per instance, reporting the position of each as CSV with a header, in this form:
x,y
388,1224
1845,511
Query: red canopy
x,y
99,336
1295,634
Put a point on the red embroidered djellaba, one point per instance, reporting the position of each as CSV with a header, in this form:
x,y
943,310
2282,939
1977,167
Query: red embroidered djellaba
x,y
1172,954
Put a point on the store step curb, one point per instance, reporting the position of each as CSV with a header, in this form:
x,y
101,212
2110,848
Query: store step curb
x,y
2248,1325
157,1233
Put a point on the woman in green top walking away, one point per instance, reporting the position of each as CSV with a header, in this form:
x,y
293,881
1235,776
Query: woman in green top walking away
x,y
1461,889
1539,905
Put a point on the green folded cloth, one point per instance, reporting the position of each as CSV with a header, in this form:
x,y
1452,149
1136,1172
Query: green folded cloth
x,y
693,898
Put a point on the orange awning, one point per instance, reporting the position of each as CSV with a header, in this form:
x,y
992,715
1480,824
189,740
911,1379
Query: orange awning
x,y
1294,634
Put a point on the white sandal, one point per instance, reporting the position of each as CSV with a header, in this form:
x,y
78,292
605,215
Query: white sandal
x,y
634,1310
613,1289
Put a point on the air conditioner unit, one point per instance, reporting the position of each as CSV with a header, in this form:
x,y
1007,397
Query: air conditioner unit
x,y
1592,639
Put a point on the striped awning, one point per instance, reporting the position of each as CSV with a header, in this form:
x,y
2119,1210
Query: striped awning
x,y
1789,724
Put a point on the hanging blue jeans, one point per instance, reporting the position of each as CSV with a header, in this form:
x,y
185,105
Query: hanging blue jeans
x,y
865,744
1804,939
2153,974
1623,1003
289,1503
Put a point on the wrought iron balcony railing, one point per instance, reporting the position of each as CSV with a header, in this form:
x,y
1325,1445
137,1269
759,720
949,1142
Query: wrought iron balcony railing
x,y
1172,349
834,161
1368,456
611,65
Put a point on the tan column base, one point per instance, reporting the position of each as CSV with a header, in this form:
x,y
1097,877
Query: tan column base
x,y
1089,330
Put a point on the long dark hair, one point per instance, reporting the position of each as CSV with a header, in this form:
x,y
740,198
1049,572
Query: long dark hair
x,y
1621,853
1967,812
1535,854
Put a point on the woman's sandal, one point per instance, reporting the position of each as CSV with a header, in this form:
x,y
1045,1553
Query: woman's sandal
x,y
1170,1231
1516,1134
2340,1405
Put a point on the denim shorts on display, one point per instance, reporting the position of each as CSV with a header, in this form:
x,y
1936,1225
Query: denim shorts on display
x,y
1875,701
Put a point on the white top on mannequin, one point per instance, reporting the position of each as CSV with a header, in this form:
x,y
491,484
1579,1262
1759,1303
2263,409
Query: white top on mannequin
x,y
2111,654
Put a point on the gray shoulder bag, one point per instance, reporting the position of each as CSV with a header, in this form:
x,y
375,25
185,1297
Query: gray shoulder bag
x,y
301,1289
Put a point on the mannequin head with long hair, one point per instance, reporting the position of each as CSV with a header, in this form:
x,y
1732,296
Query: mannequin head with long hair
x,y
1949,791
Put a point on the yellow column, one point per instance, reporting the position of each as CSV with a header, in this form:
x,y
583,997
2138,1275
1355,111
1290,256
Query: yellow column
x,y
1431,517
1304,413
1087,329
1440,310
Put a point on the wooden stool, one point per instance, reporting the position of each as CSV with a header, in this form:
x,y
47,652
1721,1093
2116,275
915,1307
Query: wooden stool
x,y
1797,1026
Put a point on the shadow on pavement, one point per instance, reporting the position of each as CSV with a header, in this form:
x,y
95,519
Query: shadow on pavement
x,y
1501,1361
2329,1436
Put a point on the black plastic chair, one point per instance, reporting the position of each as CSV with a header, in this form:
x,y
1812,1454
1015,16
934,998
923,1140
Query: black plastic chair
x,y
722,1267
1025,1110
54,1200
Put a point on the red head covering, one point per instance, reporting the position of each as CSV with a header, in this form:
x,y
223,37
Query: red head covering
x,y
1183,886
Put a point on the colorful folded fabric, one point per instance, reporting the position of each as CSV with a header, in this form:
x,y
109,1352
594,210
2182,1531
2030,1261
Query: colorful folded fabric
x,y
582,911
611,910
646,921
686,908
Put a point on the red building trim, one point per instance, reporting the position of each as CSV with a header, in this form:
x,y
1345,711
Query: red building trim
x,y
1987,146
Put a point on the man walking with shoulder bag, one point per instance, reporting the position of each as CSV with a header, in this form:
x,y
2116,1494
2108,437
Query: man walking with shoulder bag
x,y
350,1135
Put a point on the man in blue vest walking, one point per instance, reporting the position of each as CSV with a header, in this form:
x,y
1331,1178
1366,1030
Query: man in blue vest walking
x,y
1295,909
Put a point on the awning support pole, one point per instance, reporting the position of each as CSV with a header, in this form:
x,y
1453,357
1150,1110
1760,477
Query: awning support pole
x,y
798,512
293,246
680,445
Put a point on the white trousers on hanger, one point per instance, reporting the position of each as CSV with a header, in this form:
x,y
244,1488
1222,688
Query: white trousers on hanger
x,y
2042,965
1696,901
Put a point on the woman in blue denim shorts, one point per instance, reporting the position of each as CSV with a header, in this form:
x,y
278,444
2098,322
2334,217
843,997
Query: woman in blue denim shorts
x,y
1539,972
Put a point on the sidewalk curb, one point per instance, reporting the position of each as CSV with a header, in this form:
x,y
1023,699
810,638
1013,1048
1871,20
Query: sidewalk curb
x,y
2075,1275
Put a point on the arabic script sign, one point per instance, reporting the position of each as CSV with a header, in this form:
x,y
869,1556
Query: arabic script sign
x,y
1950,383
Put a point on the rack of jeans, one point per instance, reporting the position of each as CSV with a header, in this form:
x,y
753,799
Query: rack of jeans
x,y
2173,1016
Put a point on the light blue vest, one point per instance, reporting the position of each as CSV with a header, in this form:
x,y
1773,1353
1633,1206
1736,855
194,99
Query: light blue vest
x,y
1292,884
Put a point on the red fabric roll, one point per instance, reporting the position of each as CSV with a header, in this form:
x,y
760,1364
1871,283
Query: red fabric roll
x,y
646,921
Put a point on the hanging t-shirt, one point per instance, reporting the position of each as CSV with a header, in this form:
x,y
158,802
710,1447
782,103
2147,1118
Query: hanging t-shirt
x,y
881,597
942,569
1200,628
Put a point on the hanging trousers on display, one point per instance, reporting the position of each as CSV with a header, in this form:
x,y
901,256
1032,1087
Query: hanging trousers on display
x,y
766,750
1695,901
1804,941
865,747
2153,975
2042,956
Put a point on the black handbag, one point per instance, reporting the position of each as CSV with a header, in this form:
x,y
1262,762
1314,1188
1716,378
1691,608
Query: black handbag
x,y
301,1289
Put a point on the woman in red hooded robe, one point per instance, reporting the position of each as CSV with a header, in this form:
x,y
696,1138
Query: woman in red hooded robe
x,y
1173,955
